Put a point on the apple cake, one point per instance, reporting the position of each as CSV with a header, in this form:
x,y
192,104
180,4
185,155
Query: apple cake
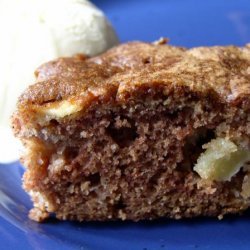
x,y
143,131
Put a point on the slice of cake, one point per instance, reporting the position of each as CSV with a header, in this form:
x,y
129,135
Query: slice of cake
x,y
140,132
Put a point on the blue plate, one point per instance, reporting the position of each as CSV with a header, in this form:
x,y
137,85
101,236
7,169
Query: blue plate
x,y
186,23
17,231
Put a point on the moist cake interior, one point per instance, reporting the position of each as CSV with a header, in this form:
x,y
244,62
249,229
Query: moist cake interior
x,y
134,160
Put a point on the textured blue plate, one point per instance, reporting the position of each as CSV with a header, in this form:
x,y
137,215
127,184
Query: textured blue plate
x,y
17,231
187,23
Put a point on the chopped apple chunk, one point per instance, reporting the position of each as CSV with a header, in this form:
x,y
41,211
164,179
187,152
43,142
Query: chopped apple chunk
x,y
63,109
221,160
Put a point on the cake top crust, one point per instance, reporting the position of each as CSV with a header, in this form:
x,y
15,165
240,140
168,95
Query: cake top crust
x,y
222,70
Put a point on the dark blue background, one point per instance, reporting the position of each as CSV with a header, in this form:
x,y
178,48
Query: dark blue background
x,y
185,22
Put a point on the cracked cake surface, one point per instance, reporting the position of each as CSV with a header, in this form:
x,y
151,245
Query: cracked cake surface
x,y
132,133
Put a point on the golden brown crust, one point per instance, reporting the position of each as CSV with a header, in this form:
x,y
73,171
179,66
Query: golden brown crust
x,y
223,70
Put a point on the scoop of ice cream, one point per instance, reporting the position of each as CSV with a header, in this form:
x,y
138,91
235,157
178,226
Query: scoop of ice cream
x,y
35,31
77,26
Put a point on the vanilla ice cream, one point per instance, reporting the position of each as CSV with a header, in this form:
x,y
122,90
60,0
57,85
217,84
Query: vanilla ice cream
x,y
35,31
